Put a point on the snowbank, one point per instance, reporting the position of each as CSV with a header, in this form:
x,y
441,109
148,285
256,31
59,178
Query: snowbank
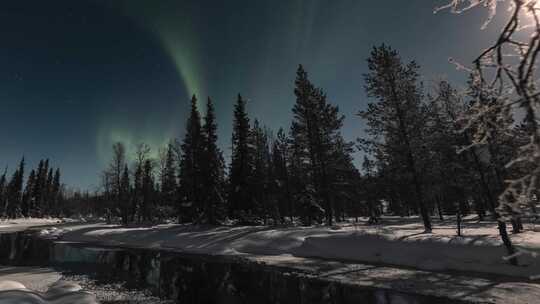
x,y
12,292
427,253
25,223
397,242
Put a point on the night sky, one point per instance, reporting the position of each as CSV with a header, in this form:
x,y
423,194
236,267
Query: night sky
x,y
77,76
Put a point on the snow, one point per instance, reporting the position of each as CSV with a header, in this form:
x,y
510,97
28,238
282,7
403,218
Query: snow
x,y
10,285
397,241
25,223
12,292
463,289
394,255
54,284
35,278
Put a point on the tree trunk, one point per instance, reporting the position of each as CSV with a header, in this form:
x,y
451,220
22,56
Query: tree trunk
x,y
491,201
439,209
507,243
458,221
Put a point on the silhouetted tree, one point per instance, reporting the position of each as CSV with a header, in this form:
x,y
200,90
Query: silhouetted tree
x,y
56,194
281,176
316,137
213,169
261,172
169,184
114,175
241,203
190,181
27,201
396,122
125,195
141,155
148,191
14,195
3,192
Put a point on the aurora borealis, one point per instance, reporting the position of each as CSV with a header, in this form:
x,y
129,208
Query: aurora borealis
x,y
76,76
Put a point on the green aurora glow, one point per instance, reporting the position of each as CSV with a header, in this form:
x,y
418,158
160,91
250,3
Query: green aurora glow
x,y
174,36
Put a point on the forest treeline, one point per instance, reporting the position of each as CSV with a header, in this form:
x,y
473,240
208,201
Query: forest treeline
x,y
42,195
420,158
306,173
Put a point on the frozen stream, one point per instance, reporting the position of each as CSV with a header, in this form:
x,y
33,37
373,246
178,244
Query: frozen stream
x,y
119,274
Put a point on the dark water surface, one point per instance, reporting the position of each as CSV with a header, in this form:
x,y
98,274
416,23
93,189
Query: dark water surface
x,y
187,278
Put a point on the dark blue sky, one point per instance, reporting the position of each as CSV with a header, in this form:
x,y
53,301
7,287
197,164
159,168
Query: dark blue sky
x,y
76,76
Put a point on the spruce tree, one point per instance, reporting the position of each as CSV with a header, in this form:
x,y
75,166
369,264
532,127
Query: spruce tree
x,y
213,169
261,171
43,188
14,196
27,195
344,178
315,133
190,181
55,194
241,203
36,192
3,192
168,176
48,191
281,175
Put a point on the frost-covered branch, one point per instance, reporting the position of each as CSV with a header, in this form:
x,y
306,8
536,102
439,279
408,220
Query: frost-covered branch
x,y
504,75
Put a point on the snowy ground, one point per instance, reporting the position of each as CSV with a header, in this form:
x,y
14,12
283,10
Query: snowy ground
x,y
44,285
7,225
397,241
453,287
35,278
30,285
339,253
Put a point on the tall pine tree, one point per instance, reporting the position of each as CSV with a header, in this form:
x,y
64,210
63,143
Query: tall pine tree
x,y
27,195
169,184
213,170
281,176
35,207
14,195
190,181
3,192
55,194
241,203
261,172
396,122
316,134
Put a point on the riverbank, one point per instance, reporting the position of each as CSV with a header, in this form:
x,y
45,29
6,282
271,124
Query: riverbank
x,y
396,241
324,262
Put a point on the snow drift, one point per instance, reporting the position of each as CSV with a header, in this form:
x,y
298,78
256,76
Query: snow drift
x,y
401,243
12,292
